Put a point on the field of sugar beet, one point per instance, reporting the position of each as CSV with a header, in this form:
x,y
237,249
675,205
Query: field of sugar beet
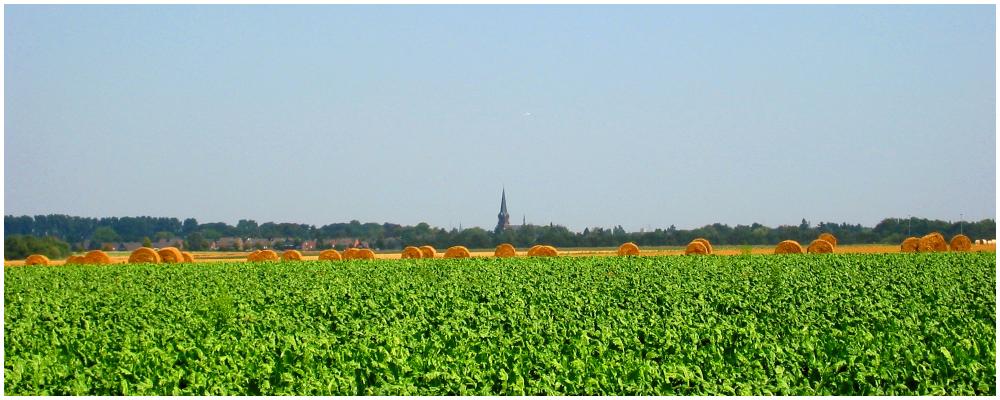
x,y
859,324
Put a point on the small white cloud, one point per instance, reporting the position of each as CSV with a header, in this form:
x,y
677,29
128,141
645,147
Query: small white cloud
x,y
526,114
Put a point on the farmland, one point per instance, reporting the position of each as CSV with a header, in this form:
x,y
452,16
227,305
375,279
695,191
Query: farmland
x,y
858,324
724,250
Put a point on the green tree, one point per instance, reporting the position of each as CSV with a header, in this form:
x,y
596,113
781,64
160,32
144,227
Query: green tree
x,y
195,242
211,234
105,234
146,242
16,247
190,225
163,235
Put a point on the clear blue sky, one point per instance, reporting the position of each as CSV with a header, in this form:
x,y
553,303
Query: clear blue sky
x,y
589,115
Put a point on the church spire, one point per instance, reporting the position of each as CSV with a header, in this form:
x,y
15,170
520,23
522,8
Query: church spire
x,y
503,218
503,202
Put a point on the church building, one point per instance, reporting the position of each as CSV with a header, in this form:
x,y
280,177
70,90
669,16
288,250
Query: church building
x,y
503,218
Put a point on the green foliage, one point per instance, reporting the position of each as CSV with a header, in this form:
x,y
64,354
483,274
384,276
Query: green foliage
x,y
133,229
163,235
17,247
105,234
195,242
890,324
146,242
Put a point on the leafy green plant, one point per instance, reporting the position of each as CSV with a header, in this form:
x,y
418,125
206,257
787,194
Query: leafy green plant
x,y
855,324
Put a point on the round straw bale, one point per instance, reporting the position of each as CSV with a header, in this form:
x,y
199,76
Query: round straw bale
x,y
628,249
696,248
708,245
820,246
551,251
144,255
788,247
349,254
96,257
188,257
505,250
330,255
74,260
457,252
253,255
932,242
364,254
171,255
428,251
909,245
291,255
829,238
36,259
266,255
412,252
543,251
961,243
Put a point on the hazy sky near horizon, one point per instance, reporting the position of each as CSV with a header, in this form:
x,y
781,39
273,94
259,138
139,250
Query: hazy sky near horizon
x,y
643,116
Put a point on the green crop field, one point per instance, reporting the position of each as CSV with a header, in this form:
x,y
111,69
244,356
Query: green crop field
x,y
804,324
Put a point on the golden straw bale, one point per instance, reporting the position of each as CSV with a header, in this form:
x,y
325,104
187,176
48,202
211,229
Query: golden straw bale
x,y
549,251
36,259
628,249
364,254
708,245
188,257
291,255
457,252
788,247
932,242
144,255
909,245
961,243
96,257
820,246
412,252
266,255
330,255
543,251
253,255
696,248
171,255
505,250
75,260
829,238
428,251
349,254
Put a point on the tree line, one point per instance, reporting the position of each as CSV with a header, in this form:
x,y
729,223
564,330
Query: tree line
x,y
196,236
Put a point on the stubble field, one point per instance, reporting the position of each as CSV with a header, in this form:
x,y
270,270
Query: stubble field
x,y
120,257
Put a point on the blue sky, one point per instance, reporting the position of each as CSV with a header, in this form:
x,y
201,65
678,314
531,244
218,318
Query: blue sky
x,y
643,116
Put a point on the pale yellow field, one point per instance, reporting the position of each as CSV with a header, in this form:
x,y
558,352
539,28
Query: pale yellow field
x,y
214,256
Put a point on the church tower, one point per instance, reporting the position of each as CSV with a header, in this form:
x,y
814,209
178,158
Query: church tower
x,y
503,219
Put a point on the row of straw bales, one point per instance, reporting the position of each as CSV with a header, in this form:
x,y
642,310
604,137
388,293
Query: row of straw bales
x,y
824,244
166,255
140,255
95,257
934,242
